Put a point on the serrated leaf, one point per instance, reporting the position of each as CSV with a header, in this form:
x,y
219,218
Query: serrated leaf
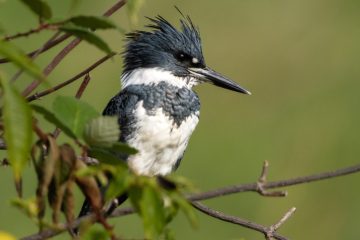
x,y
86,35
73,113
39,7
50,117
92,22
20,59
18,128
102,131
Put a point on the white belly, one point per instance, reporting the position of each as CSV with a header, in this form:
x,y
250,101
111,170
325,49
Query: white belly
x,y
161,143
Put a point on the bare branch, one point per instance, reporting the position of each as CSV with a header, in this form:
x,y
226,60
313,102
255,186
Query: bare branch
x,y
286,216
47,233
65,36
50,45
68,48
267,231
17,75
262,181
40,28
71,80
275,184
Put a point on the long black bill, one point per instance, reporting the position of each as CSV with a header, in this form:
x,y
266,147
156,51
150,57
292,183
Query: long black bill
x,y
209,75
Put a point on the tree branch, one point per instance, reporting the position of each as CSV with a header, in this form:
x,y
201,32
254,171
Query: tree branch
x,y
274,184
50,45
47,233
13,79
67,82
269,232
68,48
40,28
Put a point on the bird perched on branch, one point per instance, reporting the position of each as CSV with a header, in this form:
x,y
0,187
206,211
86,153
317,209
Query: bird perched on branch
x,y
157,109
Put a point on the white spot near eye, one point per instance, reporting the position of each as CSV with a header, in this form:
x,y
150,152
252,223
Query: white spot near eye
x,y
195,60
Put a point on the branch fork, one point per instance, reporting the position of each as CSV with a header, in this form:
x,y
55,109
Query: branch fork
x,y
270,233
262,181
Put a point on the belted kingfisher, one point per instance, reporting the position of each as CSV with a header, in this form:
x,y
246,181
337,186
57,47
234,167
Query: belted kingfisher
x,y
157,109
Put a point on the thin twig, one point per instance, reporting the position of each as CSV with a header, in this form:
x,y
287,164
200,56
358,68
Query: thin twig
x,y
17,75
71,80
47,233
41,50
274,184
68,48
40,28
262,181
267,231
83,86
273,228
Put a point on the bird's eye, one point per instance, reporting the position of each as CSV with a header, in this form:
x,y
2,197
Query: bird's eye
x,y
187,59
182,57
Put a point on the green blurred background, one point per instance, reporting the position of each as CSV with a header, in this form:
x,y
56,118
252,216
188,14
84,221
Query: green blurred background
x,y
299,58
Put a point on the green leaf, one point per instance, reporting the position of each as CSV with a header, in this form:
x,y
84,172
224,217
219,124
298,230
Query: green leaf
x,y
6,236
119,183
18,127
28,206
39,7
50,117
20,59
185,206
105,156
148,201
133,8
152,211
96,232
73,113
86,35
102,131
92,22
120,147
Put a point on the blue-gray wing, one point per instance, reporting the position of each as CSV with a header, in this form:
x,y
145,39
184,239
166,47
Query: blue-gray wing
x,y
123,106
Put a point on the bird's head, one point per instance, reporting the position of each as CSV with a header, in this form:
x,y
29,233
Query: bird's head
x,y
166,53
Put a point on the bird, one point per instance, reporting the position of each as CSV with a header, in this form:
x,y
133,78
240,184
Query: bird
x,y
157,108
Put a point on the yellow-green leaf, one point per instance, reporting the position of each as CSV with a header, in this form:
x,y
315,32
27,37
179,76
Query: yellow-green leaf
x,y
153,213
86,35
148,201
102,131
18,127
73,113
50,117
95,232
93,22
39,7
20,59
6,236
